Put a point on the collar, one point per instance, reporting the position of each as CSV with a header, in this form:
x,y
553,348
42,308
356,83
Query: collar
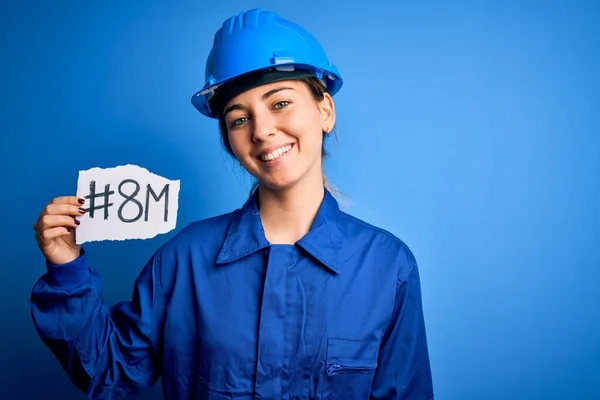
x,y
246,234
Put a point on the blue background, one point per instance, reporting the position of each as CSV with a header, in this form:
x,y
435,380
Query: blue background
x,y
470,130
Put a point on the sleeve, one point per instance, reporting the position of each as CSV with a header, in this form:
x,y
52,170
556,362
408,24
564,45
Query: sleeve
x,y
404,371
106,352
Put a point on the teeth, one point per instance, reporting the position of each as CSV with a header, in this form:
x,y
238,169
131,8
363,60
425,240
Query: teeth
x,y
276,153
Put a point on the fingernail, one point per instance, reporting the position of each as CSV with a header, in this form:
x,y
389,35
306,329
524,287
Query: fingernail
x,y
81,201
77,221
82,211
70,229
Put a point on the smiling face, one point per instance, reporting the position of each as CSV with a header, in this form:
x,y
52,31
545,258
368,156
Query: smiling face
x,y
276,132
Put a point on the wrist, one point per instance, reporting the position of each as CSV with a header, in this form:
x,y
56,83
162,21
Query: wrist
x,y
69,274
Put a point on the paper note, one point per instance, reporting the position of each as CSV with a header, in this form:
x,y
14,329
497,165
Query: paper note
x,y
125,202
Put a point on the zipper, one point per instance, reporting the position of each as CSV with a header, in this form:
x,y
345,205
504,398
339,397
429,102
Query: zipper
x,y
337,367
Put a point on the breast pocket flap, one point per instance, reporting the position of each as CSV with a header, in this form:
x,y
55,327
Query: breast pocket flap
x,y
351,356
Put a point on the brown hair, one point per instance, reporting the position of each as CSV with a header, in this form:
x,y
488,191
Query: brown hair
x,y
317,89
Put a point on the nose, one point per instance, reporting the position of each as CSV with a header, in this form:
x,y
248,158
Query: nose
x,y
264,127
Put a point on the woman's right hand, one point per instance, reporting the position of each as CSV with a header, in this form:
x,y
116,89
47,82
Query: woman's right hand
x,y
55,229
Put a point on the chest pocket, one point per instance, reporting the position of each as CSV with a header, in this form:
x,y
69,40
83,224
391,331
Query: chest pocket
x,y
349,368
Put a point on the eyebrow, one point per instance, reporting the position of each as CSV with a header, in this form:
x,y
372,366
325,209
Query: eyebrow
x,y
264,97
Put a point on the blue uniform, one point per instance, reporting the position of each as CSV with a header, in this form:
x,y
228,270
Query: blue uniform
x,y
219,313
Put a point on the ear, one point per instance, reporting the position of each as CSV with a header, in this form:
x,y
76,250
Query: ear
x,y
327,109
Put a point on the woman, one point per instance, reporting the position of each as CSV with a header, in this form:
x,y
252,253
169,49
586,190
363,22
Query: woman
x,y
286,297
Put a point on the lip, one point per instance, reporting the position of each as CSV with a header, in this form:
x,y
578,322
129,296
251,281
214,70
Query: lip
x,y
271,148
277,161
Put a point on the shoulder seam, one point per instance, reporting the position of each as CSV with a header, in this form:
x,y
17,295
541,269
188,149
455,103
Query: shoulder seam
x,y
401,274
367,225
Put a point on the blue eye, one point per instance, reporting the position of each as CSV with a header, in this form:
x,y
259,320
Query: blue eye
x,y
281,104
239,121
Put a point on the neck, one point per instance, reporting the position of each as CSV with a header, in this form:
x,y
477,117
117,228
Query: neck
x,y
288,214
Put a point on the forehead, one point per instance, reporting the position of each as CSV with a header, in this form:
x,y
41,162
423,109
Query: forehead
x,y
257,93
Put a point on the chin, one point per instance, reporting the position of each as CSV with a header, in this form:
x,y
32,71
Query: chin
x,y
277,184
279,181
281,178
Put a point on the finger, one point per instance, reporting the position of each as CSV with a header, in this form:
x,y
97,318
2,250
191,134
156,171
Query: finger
x,y
53,221
63,209
74,200
50,234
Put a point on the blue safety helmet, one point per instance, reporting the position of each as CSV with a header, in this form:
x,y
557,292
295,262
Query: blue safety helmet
x,y
257,47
